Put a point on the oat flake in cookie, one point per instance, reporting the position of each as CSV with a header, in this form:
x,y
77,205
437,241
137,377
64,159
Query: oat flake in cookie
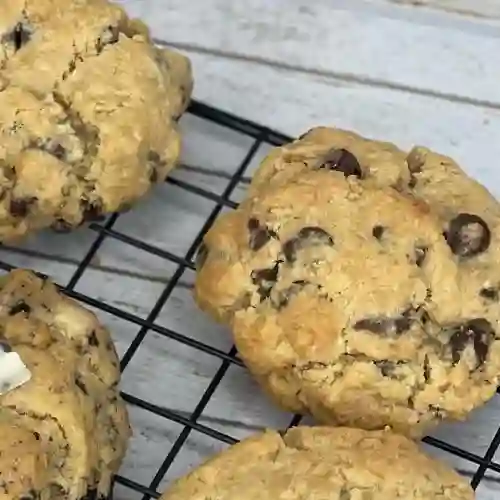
x,y
88,112
65,431
362,283
322,464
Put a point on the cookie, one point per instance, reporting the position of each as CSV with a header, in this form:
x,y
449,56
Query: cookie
x,y
65,431
361,283
324,463
88,113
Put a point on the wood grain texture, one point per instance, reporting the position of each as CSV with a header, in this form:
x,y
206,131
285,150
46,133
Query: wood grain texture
x,y
388,47
385,68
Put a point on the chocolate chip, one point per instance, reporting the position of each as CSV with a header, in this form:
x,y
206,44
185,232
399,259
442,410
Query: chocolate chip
x,y
31,495
92,211
387,367
378,232
427,369
109,37
201,256
415,161
19,207
19,36
259,234
81,385
343,161
420,254
468,235
91,495
477,332
93,340
385,326
21,306
489,293
50,146
284,296
265,279
153,175
306,237
413,181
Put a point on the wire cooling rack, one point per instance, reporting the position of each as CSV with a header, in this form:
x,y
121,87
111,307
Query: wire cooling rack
x,y
261,136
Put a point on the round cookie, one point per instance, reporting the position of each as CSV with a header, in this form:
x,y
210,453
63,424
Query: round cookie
x,y
322,463
88,113
361,283
65,431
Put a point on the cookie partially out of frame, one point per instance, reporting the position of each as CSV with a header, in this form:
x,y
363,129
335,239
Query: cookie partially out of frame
x,y
322,463
88,112
362,282
64,432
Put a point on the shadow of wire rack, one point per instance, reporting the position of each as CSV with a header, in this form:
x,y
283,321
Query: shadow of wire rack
x,y
260,136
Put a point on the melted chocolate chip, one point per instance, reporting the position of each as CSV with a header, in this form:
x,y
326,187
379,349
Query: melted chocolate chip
x,y
93,340
420,254
19,36
468,235
306,237
201,256
290,292
343,161
259,235
489,293
477,332
21,306
378,232
413,181
385,326
19,207
265,279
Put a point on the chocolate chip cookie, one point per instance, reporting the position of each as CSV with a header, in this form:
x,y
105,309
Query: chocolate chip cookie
x,y
322,463
65,431
361,282
88,113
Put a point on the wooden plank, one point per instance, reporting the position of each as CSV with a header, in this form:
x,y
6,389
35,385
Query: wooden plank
x,y
174,376
385,47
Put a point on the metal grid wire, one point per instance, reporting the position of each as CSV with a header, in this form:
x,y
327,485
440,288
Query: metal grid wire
x,y
261,136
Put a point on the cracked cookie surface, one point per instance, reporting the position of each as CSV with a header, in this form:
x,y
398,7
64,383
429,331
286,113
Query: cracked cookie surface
x,y
322,464
64,432
88,113
361,283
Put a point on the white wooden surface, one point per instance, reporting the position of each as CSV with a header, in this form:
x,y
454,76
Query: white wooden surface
x,y
410,71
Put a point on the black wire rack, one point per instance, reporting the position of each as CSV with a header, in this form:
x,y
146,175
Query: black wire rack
x,y
261,136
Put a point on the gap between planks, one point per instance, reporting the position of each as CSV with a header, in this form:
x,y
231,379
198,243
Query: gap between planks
x,y
342,77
